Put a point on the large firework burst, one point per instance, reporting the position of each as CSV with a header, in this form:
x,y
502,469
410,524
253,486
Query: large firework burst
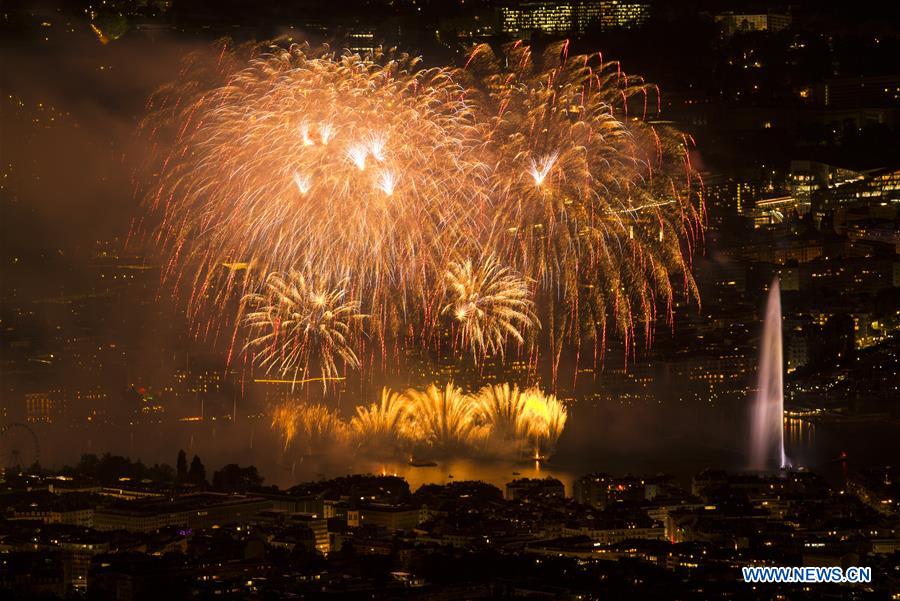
x,y
353,165
596,204
294,319
490,302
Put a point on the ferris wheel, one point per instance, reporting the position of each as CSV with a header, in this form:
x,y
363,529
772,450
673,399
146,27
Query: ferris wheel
x,y
19,447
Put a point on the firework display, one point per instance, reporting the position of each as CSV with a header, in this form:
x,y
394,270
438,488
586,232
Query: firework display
x,y
491,303
312,427
444,420
356,169
545,418
294,319
383,425
442,417
593,202
356,206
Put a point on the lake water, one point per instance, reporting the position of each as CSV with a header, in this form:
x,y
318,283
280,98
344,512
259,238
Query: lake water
x,y
617,442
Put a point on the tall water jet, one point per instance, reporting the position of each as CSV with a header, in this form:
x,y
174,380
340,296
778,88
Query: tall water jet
x,y
767,434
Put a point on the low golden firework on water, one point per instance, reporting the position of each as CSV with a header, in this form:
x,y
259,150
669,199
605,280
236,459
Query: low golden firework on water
x,y
545,418
442,418
490,303
284,422
501,407
384,425
314,429
294,319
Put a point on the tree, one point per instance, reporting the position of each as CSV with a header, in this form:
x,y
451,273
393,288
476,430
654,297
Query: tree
x,y
160,472
181,470
88,465
197,473
113,467
234,478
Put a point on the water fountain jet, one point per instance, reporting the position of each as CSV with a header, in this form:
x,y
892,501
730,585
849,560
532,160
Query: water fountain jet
x,y
767,425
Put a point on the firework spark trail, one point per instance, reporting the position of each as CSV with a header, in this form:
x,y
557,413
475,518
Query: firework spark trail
x,y
514,192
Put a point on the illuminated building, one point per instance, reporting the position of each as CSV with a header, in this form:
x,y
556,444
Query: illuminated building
x,y
189,511
535,487
769,211
474,26
622,15
789,276
55,513
855,92
361,40
46,407
722,197
608,530
796,351
807,177
549,17
881,188
392,517
736,23
602,490
780,248
709,377
300,527
586,14
561,18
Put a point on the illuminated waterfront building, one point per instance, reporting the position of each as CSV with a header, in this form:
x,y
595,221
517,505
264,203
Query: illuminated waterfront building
x,y
622,15
548,17
770,211
561,18
878,189
736,23
807,177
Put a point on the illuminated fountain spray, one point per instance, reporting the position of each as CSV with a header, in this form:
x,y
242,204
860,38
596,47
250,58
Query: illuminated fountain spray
x,y
767,435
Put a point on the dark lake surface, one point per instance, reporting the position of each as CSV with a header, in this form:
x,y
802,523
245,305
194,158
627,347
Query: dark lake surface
x,y
618,441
